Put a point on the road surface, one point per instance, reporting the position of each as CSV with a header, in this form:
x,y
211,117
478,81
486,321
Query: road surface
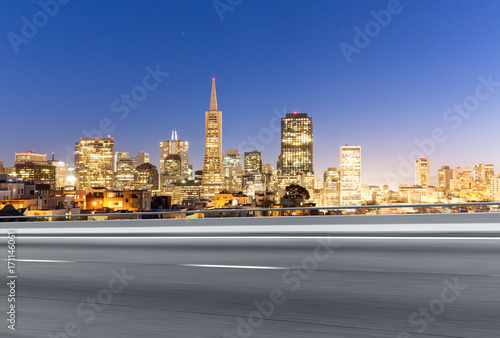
x,y
265,285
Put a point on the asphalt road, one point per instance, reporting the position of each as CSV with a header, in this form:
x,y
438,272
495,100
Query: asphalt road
x,y
209,287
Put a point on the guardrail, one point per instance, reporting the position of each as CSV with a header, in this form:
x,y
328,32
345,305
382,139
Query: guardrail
x,y
241,210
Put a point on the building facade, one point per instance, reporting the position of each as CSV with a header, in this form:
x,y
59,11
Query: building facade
x,y
495,189
29,156
60,168
141,158
33,167
350,175
37,172
296,144
331,187
179,148
213,165
146,177
444,177
172,169
232,158
94,163
235,179
484,173
422,172
253,162
125,168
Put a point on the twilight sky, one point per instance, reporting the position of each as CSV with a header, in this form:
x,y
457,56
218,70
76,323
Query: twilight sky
x,y
68,78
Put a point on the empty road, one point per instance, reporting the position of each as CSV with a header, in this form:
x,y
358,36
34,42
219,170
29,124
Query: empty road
x,y
337,284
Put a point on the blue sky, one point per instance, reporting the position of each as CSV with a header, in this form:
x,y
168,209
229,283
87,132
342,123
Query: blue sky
x,y
265,55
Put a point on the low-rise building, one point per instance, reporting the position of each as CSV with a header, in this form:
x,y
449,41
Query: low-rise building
x,y
113,200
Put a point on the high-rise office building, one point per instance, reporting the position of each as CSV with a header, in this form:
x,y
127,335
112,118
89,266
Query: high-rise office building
x,y
235,179
125,168
331,187
172,169
253,162
350,175
146,177
60,168
198,175
296,144
33,167
444,176
29,156
70,178
37,172
213,165
422,172
175,147
495,189
462,179
253,182
484,173
141,158
94,163
232,158
120,154
268,169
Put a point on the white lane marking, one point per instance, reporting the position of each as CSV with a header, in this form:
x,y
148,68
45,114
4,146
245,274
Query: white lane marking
x,y
39,261
266,237
234,266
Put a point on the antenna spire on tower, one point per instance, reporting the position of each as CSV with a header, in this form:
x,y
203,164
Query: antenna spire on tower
x,y
213,98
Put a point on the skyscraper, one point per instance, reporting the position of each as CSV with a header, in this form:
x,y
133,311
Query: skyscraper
x,y
462,179
33,167
350,175
495,189
296,144
213,166
444,176
422,172
125,167
484,173
235,179
172,169
175,147
141,158
37,172
232,158
253,162
331,187
121,154
60,168
94,163
146,177
29,156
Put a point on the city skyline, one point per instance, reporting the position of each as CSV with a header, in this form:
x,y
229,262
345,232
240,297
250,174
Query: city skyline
x,y
395,91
